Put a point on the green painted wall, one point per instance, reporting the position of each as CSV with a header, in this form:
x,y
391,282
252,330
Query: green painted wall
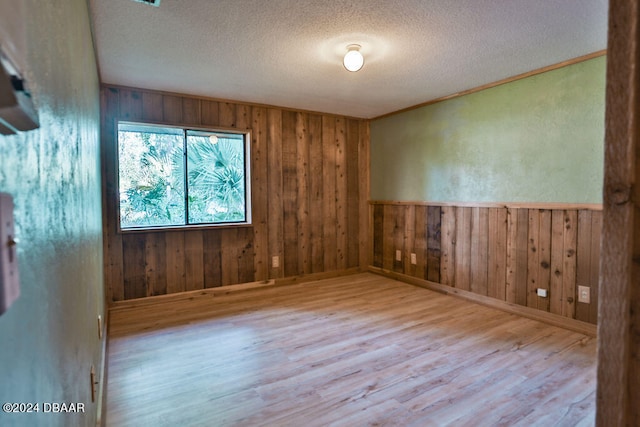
x,y
539,139
48,339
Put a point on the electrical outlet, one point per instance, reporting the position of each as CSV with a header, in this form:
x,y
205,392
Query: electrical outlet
x,y
275,262
584,294
542,293
398,255
414,261
9,281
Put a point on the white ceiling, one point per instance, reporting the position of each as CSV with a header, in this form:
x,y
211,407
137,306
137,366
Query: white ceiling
x,y
288,53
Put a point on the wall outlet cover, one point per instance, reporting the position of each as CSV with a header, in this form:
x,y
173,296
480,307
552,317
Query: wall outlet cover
x,y
584,294
9,280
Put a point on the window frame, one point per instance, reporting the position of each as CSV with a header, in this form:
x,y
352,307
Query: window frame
x,y
246,133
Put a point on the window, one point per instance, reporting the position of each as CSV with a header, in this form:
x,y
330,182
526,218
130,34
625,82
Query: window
x,y
172,177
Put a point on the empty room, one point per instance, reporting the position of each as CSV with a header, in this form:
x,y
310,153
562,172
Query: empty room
x,y
303,213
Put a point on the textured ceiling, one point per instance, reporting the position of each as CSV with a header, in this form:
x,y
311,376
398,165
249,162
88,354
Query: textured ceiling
x,y
288,52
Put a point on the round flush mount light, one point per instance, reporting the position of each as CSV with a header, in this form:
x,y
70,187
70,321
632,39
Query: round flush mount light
x,y
213,139
353,59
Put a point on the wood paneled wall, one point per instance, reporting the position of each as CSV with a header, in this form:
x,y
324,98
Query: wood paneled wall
x,y
500,252
309,199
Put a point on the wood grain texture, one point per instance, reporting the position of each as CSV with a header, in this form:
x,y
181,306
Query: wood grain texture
x,y
274,197
434,243
497,256
409,239
463,248
544,260
448,245
420,243
364,182
569,263
503,253
619,308
309,204
329,211
352,143
479,249
342,210
557,265
356,350
260,191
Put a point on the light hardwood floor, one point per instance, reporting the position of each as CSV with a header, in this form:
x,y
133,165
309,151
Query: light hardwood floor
x,y
353,351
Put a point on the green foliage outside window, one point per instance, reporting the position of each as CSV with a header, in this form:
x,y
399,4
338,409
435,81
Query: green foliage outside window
x,y
172,177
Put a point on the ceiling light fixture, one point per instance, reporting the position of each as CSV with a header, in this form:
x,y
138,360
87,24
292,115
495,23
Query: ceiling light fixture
x,y
353,59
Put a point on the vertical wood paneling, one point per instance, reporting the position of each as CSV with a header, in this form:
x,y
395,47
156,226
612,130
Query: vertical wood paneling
x,y
193,260
227,114
533,261
512,255
569,263
497,256
353,191
378,235
155,264
388,254
448,233
463,248
596,233
260,191
329,212
243,116
134,266
290,193
246,255
341,194
398,236
275,204
113,262
309,204
522,257
316,196
152,108
504,253
556,294
364,159
408,238
132,105
479,248
191,111
544,250
303,242
212,258
230,256
420,243
434,237
209,114
172,109
176,274
248,266
583,261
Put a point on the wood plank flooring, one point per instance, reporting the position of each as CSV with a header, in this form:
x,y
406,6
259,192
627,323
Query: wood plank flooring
x,y
360,350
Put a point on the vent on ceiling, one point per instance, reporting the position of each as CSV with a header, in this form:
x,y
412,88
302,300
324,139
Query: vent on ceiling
x,y
151,2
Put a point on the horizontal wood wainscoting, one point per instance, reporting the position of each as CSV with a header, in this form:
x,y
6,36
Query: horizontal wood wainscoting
x,y
309,199
505,253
